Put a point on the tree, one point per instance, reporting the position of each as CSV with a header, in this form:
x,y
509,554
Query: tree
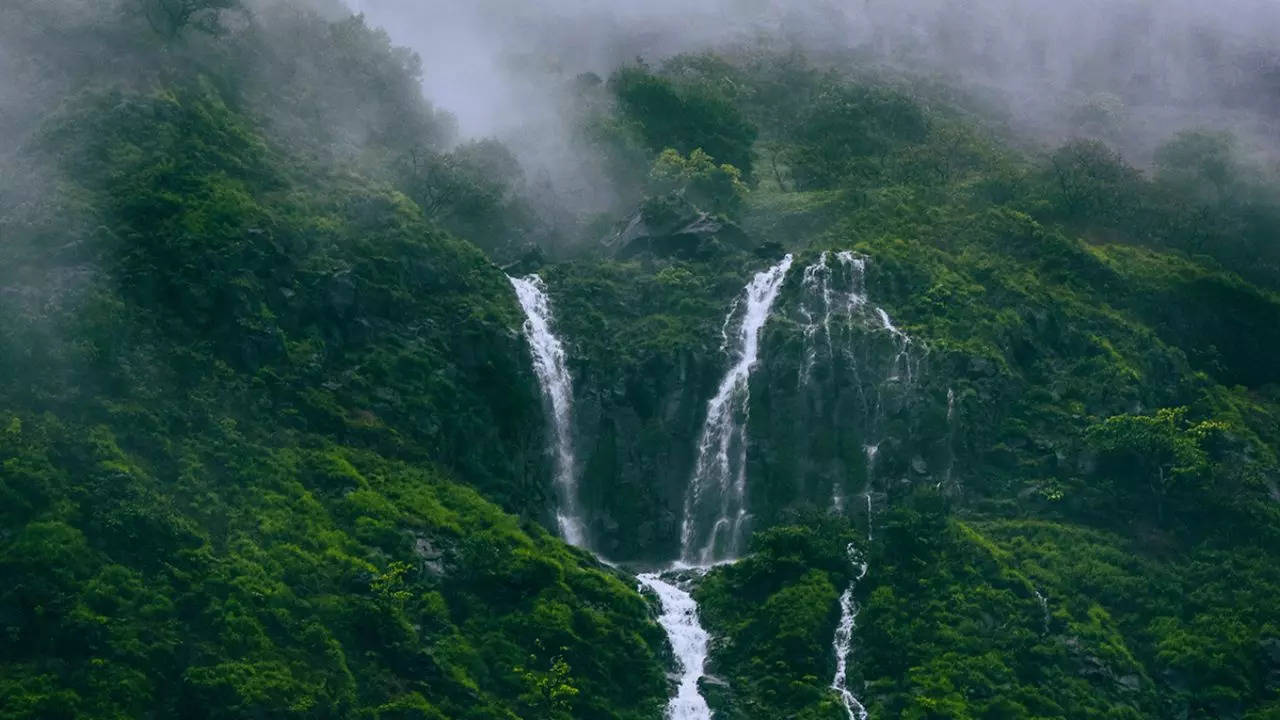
x,y
1202,165
685,119
717,188
1160,454
548,693
474,190
1091,183
849,130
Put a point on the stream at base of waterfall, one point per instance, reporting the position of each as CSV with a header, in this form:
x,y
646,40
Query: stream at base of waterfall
x,y
842,644
689,643
716,515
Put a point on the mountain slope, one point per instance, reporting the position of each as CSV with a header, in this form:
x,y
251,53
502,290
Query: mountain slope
x,y
1087,411
271,446
249,393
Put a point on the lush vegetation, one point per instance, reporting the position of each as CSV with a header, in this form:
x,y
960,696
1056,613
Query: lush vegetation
x,y
1107,337
251,397
270,444
773,615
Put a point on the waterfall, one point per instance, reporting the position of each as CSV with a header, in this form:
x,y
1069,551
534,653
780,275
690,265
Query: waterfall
x,y
842,644
679,616
718,487
719,483
868,497
557,387
689,643
864,340
816,281
819,287
817,284
1044,609
856,268
836,284
716,515
723,435
901,363
872,452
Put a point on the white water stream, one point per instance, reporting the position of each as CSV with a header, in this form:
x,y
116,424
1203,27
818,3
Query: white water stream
x,y
835,284
718,490
679,616
842,644
1044,610
557,386
828,288
689,643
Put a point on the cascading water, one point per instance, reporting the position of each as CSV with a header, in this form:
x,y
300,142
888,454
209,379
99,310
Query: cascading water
x,y
689,643
557,386
870,451
815,282
869,516
822,298
721,464
843,642
902,363
1044,610
881,359
836,284
718,489
719,485
855,266
951,438
716,512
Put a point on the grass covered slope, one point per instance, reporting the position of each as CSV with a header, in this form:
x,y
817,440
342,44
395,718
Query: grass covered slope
x,y
311,581
251,397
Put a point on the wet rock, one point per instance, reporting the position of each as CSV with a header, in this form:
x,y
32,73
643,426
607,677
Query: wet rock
x,y
672,226
341,293
530,260
715,680
431,556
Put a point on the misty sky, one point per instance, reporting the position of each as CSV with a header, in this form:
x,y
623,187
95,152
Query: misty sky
x,y
484,59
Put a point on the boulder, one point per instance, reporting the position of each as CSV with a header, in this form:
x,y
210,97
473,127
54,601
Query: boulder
x,y
672,226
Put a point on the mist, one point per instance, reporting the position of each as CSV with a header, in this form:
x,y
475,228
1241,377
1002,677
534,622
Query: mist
x,y
1131,71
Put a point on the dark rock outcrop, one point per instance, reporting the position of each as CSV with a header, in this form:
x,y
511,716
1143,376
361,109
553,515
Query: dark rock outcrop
x,y
671,226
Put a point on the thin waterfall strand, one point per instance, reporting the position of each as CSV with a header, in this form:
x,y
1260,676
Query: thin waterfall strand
x,y
821,298
902,363
550,366
842,644
719,481
836,284
869,516
816,283
1044,610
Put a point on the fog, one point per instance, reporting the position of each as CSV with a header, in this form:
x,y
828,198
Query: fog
x,y
1132,72
1152,67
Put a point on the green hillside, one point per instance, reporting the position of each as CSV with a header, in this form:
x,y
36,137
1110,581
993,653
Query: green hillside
x,y
272,446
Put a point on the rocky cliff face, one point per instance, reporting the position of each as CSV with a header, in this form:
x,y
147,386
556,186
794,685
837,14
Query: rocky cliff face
x,y
638,439
843,403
